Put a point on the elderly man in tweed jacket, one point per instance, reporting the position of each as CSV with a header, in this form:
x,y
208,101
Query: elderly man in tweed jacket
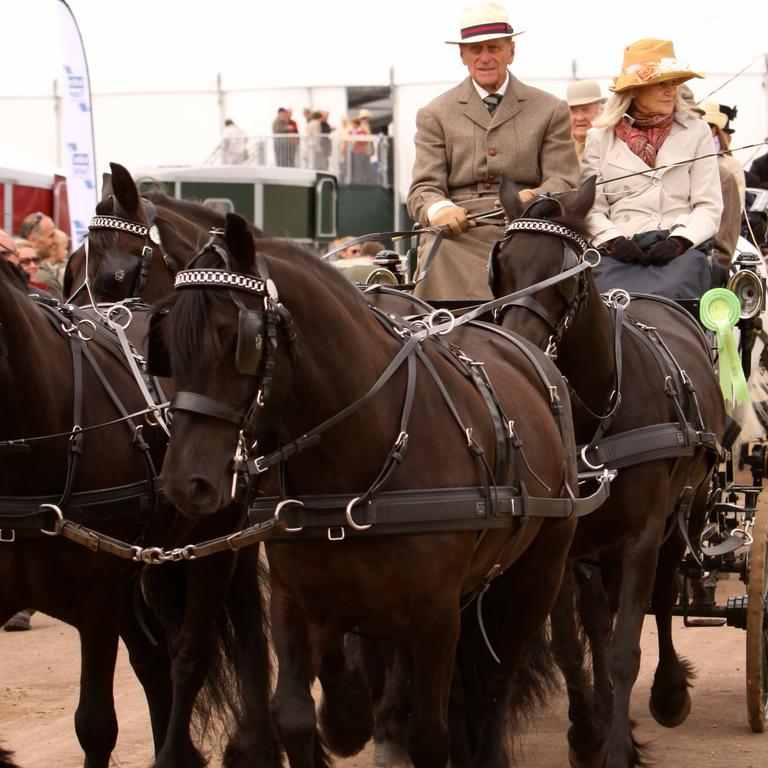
x,y
490,124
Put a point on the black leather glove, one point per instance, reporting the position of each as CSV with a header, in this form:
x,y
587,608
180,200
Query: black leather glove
x,y
626,251
665,250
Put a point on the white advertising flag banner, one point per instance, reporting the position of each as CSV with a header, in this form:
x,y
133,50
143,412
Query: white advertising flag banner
x,y
77,127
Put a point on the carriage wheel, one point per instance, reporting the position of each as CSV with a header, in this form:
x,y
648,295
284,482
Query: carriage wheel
x,y
757,624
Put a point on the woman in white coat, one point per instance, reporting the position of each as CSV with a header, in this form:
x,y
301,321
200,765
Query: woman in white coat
x,y
657,207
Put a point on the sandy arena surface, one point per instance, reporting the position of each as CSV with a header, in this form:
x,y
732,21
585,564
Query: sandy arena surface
x,y
40,672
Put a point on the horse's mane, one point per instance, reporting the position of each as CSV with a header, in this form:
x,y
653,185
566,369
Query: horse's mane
x,y
203,304
548,209
189,209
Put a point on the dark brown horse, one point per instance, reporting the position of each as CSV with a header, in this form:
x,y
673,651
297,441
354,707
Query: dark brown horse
x,y
331,394
136,243
624,383
134,247
44,393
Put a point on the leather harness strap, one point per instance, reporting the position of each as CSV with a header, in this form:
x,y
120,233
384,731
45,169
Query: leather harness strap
x,y
428,510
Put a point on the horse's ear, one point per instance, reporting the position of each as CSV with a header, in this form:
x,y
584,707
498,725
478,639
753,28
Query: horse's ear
x,y
237,233
124,189
580,200
509,197
106,185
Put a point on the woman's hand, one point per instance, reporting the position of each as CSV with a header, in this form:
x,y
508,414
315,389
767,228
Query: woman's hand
x,y
664,251
626,251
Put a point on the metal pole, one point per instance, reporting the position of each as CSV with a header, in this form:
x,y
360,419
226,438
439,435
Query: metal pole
x,y
58,121
221,98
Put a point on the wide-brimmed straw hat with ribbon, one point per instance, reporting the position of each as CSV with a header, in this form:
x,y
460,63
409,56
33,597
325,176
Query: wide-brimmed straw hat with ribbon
x,y
483,21
650,61
580,92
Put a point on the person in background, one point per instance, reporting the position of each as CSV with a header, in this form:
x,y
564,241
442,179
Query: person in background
x,y
354,264
234,144
717,121
316,148
733,186
358,152
585,103
39,229
371,248
285,148
650,210
63,252
50,271
489,125
29,262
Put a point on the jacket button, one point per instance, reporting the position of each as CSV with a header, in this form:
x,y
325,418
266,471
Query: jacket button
x,y
492,151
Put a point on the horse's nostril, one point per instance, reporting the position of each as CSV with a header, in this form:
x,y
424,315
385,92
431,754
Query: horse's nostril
x,y
200,491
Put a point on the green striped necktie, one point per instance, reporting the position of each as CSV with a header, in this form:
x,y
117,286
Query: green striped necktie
x,y
492,101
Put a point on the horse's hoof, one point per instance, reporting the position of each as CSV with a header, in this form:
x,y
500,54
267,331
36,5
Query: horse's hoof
x,y
387,754
596,760
671,721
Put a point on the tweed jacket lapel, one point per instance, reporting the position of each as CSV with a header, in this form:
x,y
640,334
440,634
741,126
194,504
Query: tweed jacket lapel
x,y
474,106
509,106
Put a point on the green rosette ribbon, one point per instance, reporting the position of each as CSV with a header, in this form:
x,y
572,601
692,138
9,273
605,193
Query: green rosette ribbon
x,y
719,311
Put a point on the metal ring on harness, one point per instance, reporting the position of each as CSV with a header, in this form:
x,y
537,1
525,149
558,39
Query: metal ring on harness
x,y
279,508
85,324
587,462
431,319
598,257
350,520
113,313
618,298
59,520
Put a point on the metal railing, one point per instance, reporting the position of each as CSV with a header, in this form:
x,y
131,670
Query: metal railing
x,y
357,159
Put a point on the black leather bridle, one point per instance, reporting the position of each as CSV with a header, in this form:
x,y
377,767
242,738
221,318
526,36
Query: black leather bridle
x,y
150,236
573,289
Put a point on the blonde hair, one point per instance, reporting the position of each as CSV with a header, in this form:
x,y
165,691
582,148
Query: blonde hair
x,y
618,104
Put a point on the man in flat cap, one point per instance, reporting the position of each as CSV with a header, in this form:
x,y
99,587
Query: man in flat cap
x,y
585,103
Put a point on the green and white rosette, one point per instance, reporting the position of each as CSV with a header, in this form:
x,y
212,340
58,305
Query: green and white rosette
x,y
719,311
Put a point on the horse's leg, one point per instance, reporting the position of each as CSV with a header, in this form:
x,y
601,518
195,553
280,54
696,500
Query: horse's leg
x,y
433,653
519,603
345,713
254,742
95,718
392,707
292,706
148,653
588,733
638,570
670,701
207,584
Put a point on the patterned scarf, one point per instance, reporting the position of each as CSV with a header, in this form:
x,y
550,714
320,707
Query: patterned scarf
x,y
645,135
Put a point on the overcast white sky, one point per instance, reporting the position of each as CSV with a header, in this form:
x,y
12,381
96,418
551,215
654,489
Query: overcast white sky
x,y
183,44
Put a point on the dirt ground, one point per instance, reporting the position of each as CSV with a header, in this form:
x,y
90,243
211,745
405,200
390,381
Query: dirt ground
x,y
39,678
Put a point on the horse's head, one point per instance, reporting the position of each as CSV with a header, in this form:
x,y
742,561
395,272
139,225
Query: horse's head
x,y
134,246
544,239
230,346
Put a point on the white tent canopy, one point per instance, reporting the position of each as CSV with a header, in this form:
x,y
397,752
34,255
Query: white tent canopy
x,y
164,73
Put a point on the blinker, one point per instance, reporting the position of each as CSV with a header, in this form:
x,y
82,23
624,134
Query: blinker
x,y
250,333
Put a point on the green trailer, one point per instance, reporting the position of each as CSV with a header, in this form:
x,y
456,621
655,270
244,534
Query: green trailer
x,y
284,202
